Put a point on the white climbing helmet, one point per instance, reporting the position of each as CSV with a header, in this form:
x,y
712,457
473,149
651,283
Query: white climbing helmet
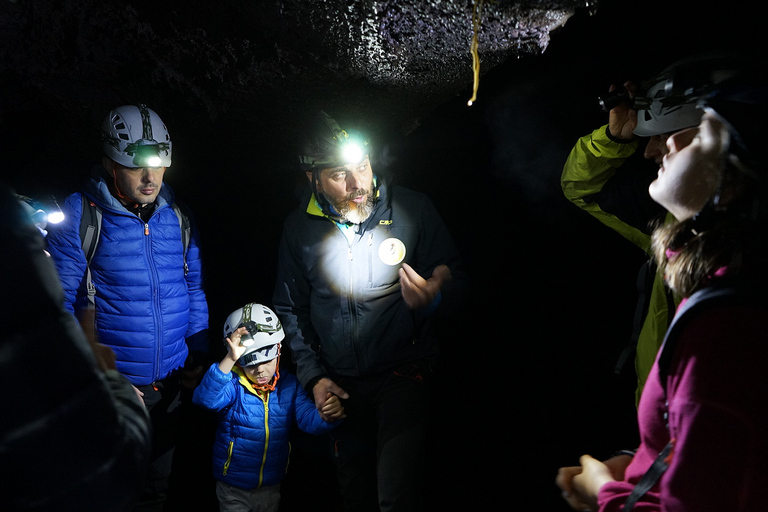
x,y
672,95
135,136
264,333
659,119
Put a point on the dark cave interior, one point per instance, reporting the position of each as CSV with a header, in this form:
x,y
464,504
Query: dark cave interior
x,y
528,382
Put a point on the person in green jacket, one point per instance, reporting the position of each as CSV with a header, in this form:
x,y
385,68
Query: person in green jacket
x,y
595,160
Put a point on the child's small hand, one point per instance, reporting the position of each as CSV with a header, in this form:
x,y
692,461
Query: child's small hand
x,y
234,349
333,409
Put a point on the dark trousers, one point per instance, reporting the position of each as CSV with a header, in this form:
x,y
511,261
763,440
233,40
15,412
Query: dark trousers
x,y
162,399
379,448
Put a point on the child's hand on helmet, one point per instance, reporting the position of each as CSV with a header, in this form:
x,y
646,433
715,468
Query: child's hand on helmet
x,y
234,348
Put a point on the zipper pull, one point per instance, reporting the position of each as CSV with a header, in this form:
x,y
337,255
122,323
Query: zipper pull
x,y
146,229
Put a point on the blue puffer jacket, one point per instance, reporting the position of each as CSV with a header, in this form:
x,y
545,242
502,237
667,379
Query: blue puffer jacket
x,y
252,438
145,305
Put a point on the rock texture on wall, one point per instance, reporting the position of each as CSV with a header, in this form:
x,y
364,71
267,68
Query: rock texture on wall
x,y
201,61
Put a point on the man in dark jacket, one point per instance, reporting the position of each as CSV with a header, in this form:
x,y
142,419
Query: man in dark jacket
x,y
143,282
74,435
358,313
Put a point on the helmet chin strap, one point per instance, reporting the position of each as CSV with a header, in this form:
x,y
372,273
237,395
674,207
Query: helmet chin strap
x,y
120,195
326,206
123,198
269,386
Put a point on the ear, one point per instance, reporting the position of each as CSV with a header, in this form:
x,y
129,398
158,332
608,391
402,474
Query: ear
x,y
108,165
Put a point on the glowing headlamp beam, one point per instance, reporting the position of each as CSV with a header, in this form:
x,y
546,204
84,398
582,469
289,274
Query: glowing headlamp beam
x,y
146,153
352,153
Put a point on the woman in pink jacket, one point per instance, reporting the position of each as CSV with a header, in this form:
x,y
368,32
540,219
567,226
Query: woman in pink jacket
x,y
703,415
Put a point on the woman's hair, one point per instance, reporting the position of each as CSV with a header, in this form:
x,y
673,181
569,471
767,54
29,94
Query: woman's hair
x,y
719,238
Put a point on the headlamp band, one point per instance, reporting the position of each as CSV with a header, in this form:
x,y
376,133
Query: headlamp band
x,y
146,122
254,327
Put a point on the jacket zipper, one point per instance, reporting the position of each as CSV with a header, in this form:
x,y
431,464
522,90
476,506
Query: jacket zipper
x,y
352,305
155,305
370,259
158,318
265,398
229,456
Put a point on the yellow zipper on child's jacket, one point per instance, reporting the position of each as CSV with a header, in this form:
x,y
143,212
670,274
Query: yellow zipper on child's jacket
x,y
229,456
265,399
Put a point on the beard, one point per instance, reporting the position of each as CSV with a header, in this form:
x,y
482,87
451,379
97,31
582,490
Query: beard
x,y
353,212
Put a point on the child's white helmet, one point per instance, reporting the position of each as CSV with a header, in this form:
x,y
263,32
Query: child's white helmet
x,y
135,136
264,333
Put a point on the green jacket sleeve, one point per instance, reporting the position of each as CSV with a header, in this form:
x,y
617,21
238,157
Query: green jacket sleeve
x,y
591,163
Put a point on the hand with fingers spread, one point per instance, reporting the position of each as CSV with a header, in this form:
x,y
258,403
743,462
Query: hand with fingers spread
x,y
234,350
419,292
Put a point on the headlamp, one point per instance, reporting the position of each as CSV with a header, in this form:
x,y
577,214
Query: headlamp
x,y
41,213
351,152
55,215
146,153
246,340
339,149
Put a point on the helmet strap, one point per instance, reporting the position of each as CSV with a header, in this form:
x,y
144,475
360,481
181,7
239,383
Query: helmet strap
x,y
270,386
326,207
130,204
123,199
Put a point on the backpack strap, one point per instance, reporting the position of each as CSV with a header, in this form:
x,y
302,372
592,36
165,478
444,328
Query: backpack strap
x,y
701,300
90,230
645,282
650,477
185,225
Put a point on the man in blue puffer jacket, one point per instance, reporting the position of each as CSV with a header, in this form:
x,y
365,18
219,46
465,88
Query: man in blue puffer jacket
x,y
149,305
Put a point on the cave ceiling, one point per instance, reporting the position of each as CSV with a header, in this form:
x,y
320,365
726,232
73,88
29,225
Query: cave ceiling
x,y
260,61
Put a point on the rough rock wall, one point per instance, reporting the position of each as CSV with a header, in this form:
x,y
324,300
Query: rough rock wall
x,y
260,60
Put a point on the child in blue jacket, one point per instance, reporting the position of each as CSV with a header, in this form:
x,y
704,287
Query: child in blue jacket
x,y
256,406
